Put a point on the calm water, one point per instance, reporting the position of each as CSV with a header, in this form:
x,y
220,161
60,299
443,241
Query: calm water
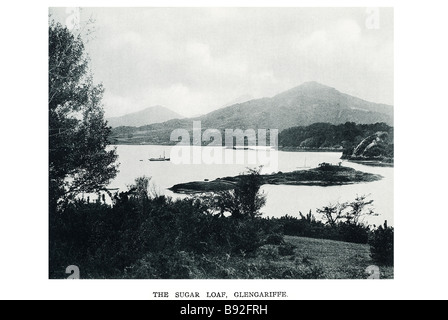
x,y
281,200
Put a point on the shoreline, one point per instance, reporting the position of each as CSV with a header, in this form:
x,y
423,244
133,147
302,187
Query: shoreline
x,y
294,149
284,149
322,177
372,163
366,162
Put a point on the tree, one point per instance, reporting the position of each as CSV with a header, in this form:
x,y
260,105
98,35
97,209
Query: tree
x,y
332,214
382,245
79,160
246,200
358,209
348,212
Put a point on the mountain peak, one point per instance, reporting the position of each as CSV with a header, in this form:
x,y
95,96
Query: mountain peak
x,y
313,86
153,108
304,105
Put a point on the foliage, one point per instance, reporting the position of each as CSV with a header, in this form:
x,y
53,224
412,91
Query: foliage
x,y
342,222
145,236
348,212
286,249
269,252
306,226
184,265
275,239
347,219
245,201
78,133
325,135
354,233
382,244
105,240
332,214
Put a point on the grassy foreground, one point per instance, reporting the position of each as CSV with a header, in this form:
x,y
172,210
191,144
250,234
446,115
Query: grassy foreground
x,y
297,258
339,260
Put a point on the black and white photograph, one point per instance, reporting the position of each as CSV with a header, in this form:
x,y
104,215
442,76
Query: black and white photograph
x,y
223,159
221,143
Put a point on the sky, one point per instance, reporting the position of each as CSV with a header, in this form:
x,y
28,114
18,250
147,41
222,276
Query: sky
x,y
195,60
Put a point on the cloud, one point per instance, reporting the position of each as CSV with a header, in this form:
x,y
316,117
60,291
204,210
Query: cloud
x,y
117,105
180,98
347,31
127,40
194,60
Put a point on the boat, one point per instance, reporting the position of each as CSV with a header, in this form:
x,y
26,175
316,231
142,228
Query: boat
x,y
160,158
304,166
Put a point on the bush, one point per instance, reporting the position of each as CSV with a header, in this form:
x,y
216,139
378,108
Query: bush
x,y
175,265
306,226
354,233
309,227
275,239
269,252
286,250
382,245
245,200
104,241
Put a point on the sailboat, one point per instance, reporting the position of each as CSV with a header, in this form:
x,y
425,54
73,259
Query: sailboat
x,y
304,166
160,158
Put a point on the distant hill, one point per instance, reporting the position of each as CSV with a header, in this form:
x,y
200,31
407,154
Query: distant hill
x,y
156,114
358,142
304,105
240,99
345,136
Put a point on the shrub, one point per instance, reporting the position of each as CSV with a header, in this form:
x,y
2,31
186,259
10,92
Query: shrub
x,y
275,239
104,241
355,233
286,250
245,200
269,252
382,245
309,270
306,226
174,265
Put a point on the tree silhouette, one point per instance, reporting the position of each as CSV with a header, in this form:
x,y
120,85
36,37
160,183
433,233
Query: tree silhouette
x,y
78,134
246,200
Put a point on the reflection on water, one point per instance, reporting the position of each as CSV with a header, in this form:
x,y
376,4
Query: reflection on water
x,y
281,200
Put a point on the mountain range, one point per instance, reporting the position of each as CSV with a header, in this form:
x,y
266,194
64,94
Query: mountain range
x,y
304,105
240,99
156,114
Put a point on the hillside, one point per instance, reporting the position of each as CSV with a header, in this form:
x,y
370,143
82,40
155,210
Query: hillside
x,y
326,135
241,99
376,147
301,106
156,114
338,260
304,105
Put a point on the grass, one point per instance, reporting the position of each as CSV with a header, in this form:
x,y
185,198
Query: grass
x,y
297,258
339,260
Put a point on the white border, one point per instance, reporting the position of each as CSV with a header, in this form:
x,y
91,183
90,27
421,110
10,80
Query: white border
x,y
420,216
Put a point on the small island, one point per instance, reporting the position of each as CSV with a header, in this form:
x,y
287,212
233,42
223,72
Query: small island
x,y
325,175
